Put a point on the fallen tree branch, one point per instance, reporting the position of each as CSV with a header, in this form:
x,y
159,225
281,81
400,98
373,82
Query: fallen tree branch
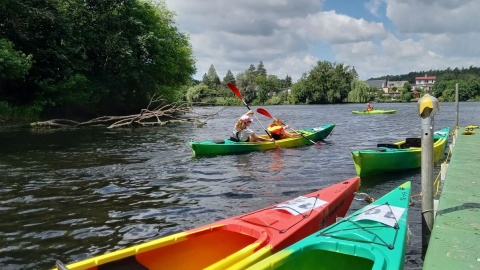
x,y
159,116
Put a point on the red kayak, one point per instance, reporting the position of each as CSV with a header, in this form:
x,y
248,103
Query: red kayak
x,y
235,242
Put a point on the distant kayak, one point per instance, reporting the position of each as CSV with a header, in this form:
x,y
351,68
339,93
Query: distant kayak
x,y
375,112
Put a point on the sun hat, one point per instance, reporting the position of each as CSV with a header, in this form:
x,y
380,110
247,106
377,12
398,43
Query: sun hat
x,y
246,118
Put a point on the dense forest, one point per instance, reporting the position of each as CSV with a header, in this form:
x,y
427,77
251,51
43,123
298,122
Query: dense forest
x,y
86,58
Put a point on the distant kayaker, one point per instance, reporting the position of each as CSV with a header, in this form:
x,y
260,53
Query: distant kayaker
x,y
369,108
242,133
279,131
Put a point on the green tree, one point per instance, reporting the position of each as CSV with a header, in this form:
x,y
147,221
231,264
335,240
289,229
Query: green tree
x,y
229,78
406,96
15,64
246,83
287,82
300,93
212,76
114,55
406,87
328,83
206,80
261,71
360,92
200,94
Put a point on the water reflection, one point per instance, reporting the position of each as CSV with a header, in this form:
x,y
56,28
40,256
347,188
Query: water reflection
x,y
277,163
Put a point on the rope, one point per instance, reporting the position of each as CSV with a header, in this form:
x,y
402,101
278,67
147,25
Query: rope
x,y
367,198
369,229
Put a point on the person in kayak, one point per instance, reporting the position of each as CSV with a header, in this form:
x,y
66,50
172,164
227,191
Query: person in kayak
x,y
369,108
243,133
279,131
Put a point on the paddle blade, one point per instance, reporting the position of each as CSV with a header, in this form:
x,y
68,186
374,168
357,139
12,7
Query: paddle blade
x,y
235,90
264,112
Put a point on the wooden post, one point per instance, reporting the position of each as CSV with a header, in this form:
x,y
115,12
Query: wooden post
x,y
428,107
427,181
456,107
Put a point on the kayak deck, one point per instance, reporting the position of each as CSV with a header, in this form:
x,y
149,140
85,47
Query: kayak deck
x,y
228,147
402,155
373,237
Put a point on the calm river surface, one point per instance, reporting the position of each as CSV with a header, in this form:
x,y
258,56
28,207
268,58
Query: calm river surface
x,y
72,194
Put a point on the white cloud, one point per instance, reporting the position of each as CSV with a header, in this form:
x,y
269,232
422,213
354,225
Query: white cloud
x,y
289,37
434,16
336,28
373,6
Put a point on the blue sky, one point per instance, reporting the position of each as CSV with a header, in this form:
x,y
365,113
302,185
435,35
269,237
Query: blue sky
x,y
377,37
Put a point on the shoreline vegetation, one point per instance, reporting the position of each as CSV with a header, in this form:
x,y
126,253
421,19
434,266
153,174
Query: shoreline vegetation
x,y
108,59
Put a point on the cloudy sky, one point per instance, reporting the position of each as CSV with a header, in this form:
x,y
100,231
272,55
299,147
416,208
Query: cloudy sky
x,y
377,37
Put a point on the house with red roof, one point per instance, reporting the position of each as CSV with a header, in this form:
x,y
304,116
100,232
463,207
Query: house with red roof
x,y
425,82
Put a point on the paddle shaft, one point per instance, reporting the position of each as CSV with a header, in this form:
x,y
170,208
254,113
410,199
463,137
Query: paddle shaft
x,y
316,143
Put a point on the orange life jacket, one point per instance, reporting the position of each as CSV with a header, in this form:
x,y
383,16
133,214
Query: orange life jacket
x,y
276,132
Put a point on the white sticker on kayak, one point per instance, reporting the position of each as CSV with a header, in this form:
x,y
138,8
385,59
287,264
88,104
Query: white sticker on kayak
x,y
385,214
301,205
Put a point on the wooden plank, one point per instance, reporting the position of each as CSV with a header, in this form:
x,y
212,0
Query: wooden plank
x,y
455,239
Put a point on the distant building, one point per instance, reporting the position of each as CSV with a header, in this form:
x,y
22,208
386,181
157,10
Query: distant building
x,y
376,83
390,85
425,82
390,88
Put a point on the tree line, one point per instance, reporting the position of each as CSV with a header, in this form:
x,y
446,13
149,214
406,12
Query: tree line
x,y
325,83
468,80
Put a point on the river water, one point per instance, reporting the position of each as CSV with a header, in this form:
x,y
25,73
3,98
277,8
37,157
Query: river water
x,y
72,194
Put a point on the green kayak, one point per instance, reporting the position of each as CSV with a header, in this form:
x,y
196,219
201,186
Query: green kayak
x,y
373,237
398,156
227,146
375,112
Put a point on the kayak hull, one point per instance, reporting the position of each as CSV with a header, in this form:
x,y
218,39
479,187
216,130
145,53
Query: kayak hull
x,y
360,241
385,159
235,242
375,112
228,147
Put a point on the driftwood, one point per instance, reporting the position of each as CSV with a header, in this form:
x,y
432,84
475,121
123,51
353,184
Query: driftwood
x,y
159,116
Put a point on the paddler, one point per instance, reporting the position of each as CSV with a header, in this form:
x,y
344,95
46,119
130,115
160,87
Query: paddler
x,y
279,131
242,132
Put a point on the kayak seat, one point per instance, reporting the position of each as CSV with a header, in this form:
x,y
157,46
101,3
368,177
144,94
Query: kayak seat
x,y
129,263
233,139
218,141
412,142
387,145
376,149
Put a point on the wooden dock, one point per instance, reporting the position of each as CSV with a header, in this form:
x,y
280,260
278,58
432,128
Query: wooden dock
x,y
455,239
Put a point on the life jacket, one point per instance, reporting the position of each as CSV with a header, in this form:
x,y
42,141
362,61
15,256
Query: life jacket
x,y
276,132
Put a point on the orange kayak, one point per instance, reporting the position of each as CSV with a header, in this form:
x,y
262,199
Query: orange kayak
x,y
236,242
